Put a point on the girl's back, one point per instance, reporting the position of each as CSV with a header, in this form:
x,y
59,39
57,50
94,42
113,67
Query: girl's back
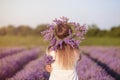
x,y
64,40
61,74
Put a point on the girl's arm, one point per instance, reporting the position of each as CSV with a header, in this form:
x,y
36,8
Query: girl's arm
x,y
48,67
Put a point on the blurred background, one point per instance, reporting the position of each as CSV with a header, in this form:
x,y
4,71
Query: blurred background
x,y
21,21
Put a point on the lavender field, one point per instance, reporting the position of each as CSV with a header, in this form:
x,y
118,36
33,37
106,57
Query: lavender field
x,y
97,63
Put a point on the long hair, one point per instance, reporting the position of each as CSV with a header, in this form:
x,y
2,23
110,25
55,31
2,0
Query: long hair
x,y
66,56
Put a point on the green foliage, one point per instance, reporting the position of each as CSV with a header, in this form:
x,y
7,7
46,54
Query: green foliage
x,y
115,31
94,31
24,30
40,28
3,31
10,30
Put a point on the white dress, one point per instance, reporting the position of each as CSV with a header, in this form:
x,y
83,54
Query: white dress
x,y
60,74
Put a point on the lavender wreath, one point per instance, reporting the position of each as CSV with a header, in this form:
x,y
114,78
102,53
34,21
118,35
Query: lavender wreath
x,y
75,36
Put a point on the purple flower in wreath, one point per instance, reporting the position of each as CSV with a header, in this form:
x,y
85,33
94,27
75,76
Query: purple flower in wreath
x,y
75,36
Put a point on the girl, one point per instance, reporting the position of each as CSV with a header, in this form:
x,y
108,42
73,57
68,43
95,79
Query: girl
x,y
64,40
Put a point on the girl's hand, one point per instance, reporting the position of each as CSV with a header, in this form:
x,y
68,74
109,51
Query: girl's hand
x,y
48,68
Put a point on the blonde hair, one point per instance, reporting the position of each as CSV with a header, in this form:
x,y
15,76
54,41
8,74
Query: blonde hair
x,y
66,56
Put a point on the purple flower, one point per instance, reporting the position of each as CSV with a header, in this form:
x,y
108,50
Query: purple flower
x,y
74,38
49,59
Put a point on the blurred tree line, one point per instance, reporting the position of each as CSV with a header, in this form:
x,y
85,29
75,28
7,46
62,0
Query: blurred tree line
x,y
22,30
94,31
25,30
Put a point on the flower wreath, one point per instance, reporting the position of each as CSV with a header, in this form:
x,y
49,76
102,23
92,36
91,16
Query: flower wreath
x,y
75,36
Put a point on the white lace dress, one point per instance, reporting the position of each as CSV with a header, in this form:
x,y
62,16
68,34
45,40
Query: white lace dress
x,y
60,74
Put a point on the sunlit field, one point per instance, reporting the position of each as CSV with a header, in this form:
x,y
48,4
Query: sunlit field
x,y
29,41
26,41
21,58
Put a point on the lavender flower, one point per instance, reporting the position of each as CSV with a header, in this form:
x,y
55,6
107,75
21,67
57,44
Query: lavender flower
x,y
74,38
35,70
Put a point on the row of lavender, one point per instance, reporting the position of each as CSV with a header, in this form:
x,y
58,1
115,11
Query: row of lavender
x,y
10,51
107,55
87,69
10,64
35,70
